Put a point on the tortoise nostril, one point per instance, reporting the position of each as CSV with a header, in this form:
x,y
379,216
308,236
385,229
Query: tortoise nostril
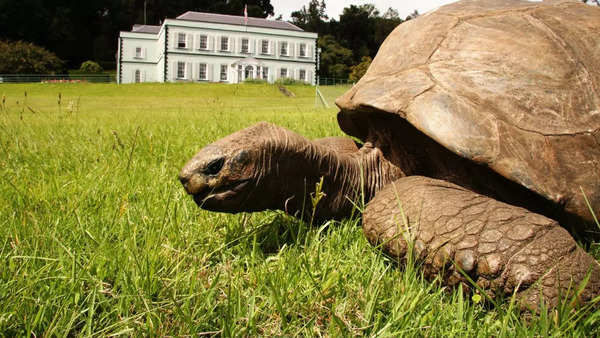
x,y
184,180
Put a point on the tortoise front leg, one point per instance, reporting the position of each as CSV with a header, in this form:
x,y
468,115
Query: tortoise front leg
x,y
501,247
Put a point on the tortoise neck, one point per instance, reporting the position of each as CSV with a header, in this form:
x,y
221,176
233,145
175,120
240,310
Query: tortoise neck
x,y
295,165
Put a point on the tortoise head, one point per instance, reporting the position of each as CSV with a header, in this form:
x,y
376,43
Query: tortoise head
x,y
224,175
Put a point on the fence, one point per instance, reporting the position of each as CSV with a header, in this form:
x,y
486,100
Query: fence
x,y
328,81
19,78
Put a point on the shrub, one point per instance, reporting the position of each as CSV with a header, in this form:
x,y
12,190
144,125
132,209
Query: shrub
x,y
255,81
90,67
287,81
22,57
360,69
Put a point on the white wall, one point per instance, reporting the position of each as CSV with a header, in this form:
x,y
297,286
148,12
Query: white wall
x,y
152,61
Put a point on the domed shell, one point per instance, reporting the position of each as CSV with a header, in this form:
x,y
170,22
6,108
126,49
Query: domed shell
x,y
514,85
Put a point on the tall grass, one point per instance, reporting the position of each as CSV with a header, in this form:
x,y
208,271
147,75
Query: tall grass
x,y
98,238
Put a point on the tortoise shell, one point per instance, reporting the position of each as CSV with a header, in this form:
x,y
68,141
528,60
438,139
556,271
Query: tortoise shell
x,y
513,85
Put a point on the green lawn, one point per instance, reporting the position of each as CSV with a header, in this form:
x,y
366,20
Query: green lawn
x,y
98,237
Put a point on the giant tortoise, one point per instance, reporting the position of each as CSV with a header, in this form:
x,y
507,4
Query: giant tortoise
x,y
480,124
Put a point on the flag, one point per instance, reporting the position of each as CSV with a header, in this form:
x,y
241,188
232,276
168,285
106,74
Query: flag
x,y
246,14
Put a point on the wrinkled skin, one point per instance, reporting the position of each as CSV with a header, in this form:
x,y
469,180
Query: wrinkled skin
x,y
456,233
268,167
478,136
501,247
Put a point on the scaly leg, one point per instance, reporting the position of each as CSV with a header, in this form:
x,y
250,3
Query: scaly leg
x,y
502,248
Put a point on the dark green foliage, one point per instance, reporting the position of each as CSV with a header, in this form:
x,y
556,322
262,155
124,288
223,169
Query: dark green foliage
x,y
90,67
311,19
26,58
81,30
344,43
335,59
360,69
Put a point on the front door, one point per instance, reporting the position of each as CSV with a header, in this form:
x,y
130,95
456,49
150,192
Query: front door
x,y
249,72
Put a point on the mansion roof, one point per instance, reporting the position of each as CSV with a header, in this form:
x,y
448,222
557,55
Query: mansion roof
x,y
237,20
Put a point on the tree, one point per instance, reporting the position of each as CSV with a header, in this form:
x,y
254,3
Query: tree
x,y
26,58
357,71
311,19
412,15
357,29
87,30
334,58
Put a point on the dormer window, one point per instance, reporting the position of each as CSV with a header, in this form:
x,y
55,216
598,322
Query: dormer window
x,y
181,40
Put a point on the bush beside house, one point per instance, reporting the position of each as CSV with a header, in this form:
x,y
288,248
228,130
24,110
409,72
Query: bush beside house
x,y
19,57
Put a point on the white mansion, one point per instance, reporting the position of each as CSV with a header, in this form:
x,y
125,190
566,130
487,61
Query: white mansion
x,y
217,48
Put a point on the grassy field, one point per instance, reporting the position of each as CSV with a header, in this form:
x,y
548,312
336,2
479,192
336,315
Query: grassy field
x,y
98,237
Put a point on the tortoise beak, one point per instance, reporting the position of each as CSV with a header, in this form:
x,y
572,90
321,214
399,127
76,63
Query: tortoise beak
x,y
194,183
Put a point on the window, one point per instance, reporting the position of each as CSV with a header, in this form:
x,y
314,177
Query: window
x,y
284,48
224,43
223,72
180,70
181,40
302,51
302,75
264,47
244,45
203,42
202,71
265,73
138,76
283,72
138,52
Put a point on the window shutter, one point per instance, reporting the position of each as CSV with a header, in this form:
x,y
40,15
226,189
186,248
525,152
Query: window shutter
x,y
308,51
174,41
271,47
144,76
277,73
209,72
174,70
231,44
188,71
239,44
197,46
291,49
251,45
133,76
297,49
189,43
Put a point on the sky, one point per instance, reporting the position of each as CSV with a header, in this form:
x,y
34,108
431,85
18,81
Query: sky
x,y
334,7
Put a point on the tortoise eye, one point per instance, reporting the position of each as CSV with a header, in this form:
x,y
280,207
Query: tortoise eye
x,y
214,166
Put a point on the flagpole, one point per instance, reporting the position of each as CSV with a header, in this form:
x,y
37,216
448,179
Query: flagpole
x,y
246,17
